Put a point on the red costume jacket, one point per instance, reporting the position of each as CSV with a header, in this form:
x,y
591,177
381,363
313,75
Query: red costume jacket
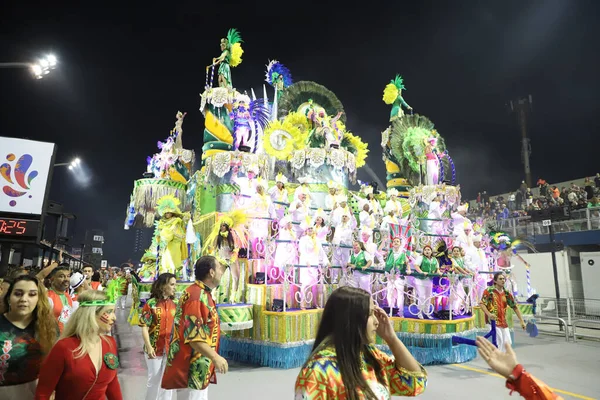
x,y
75,378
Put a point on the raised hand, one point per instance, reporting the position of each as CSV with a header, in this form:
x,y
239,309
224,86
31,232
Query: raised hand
x,y
502,363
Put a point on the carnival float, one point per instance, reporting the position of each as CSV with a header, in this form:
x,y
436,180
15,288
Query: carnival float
x,y
272,199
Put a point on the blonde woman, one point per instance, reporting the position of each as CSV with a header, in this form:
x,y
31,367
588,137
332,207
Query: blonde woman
x,y
83,363
27,332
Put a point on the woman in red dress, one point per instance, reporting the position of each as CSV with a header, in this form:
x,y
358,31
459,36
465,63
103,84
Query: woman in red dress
x,y
83,363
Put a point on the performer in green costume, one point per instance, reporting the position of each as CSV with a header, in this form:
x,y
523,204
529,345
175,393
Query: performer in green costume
x,y
360,260
396,267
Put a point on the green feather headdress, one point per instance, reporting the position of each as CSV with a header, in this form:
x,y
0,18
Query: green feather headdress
x,y
112,293
398,81
233,36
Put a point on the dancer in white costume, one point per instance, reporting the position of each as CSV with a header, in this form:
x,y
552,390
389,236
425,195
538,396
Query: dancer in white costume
x,y
393,204
396,267
341,209
300,208
330,198
360,260
279,194
367,217
321,228
262,211
311,255
385,229
286,252
458,294
480,263
342,237
426,264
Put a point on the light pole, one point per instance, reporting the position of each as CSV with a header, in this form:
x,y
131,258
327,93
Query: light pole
x,y
39,69
75,163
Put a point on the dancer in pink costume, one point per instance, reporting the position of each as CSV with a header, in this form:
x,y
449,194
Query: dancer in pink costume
x,y
433,164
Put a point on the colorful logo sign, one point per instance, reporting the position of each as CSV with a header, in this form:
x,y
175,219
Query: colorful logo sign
x,y
17,180
24,171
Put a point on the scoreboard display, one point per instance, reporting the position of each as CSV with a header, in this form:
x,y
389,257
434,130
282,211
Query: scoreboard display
x,y
19,229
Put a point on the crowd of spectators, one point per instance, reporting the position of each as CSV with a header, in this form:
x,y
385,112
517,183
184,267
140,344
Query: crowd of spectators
x,y
522,202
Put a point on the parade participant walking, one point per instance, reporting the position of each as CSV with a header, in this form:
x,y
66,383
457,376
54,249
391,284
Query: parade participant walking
x,y
156,320
27,331
83,363
193,355
496,299
345,359
60,300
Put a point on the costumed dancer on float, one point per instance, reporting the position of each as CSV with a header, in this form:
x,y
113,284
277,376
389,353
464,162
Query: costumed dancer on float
x,y
330,198
171,234
366,235
392,95
228,236
433,164
436,211
311,255
426,264
360,260
279,196
374,205
341,209
342,236
386,230
262,211
481,265
300,207
321,227
286,252
457,293
396,267
393,204
231,56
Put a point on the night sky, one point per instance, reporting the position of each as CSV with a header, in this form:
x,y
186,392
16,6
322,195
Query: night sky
x,y
125,72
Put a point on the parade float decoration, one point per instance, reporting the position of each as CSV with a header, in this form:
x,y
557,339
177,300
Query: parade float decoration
x,y
167,173
272,184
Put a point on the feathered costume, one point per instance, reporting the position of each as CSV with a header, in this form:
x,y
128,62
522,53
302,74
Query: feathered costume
x,y
278,76
249,117
231,56
392,95
171,236
235,220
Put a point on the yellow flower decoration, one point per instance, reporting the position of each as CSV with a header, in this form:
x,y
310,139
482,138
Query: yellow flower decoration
x,y
361,149
298,120
280,139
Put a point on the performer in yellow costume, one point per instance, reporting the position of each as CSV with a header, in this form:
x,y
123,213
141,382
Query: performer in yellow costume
x,y
171,236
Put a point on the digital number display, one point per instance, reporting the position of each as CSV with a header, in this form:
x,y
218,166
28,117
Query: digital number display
x,y
19,228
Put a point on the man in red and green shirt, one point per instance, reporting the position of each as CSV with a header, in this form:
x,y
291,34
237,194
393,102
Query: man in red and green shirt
x,y
60,301
494,303
193,354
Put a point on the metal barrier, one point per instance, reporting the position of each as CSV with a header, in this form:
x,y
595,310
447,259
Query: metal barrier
x,y
580,321
555,319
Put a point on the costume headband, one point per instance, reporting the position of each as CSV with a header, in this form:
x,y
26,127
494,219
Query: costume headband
x,y
112,292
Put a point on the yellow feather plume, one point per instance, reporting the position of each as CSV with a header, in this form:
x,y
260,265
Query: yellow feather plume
x,y
390,93
362,149
236,55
